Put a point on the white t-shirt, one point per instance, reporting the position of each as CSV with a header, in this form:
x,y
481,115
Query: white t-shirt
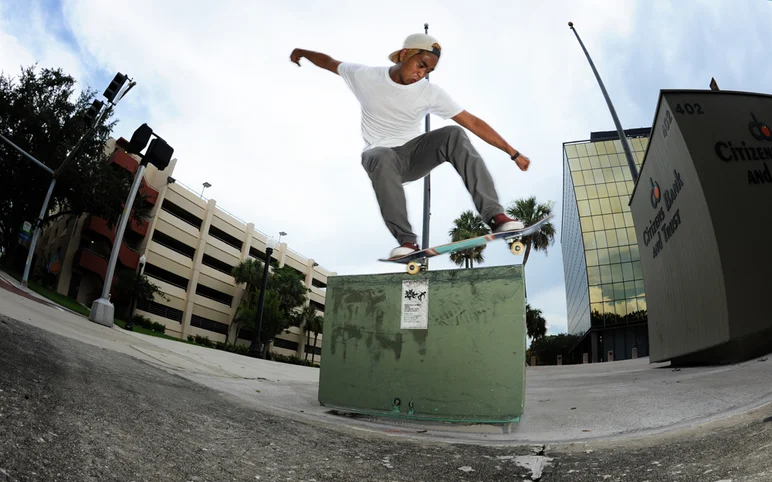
x,y
392,112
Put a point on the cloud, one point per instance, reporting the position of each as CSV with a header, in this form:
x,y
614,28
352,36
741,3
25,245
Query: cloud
x,y
551,302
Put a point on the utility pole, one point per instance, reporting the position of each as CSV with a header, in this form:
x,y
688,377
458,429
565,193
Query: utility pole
x,y
427,189
620,131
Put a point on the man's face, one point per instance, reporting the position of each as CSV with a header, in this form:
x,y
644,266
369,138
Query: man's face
x,y
417,67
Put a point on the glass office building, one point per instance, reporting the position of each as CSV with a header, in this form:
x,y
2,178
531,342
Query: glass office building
x,y
605,296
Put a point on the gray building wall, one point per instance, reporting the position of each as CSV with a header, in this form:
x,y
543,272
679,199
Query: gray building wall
x,y
705,246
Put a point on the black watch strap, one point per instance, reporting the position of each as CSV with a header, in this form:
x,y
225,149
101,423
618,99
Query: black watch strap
x,y
517,154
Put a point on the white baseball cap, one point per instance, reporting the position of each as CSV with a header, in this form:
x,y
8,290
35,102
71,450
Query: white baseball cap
x,y
419,41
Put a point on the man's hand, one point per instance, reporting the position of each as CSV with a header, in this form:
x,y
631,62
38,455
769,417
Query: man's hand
x,y
522,162
296,55
320,60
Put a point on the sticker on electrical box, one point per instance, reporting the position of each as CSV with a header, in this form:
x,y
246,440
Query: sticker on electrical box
x,y
415,305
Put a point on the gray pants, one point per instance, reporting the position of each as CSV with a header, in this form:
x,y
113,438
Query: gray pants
x,y
390,167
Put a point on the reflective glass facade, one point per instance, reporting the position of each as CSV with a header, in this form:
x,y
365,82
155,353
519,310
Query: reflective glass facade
x,y
604,280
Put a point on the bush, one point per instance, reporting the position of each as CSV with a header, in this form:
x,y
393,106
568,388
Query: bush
x,y
144,322
201,340
293,359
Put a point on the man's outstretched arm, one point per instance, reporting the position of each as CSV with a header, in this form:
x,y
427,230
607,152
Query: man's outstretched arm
x,y
481,129
320,60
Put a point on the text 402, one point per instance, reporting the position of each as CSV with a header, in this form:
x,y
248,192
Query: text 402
x,y
689,109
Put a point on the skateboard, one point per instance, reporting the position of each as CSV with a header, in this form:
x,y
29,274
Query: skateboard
x,y
512,238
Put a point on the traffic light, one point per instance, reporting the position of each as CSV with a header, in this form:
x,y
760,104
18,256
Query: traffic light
x,y
159,153
114,87
92,112
139,139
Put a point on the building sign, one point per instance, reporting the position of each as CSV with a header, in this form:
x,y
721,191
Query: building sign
x,y
759,151
664,224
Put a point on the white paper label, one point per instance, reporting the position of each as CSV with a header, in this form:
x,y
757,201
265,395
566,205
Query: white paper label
x,y
415,305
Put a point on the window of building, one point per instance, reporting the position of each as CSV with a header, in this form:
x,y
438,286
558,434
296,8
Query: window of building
x,y
181,213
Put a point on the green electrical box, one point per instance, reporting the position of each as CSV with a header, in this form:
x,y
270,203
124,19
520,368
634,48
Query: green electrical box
x,y
446,345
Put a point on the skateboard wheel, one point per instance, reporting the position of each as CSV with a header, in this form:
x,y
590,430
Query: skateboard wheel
x,y
413,268
517,248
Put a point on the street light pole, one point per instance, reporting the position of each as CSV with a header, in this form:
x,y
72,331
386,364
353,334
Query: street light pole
x,y
206,185
427,189
620,131
254,348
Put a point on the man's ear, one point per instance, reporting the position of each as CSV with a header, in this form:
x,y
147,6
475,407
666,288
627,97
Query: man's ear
x,y
401,56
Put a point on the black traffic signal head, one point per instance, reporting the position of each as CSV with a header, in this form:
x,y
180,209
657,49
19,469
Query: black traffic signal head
x,y
114,87
89,117
139,139
159,153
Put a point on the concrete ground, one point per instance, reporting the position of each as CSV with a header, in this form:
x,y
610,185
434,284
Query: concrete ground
x,y
80,401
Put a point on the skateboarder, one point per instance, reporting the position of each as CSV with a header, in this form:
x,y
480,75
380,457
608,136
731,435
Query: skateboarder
x,y
394,100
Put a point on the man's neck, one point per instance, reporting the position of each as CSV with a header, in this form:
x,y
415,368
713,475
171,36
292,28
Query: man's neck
x,y
393,74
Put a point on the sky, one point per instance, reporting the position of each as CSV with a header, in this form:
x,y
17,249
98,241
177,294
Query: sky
x,y
281,144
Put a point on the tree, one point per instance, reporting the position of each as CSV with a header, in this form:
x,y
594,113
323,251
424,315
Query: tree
x,y
309,321
546,349
286,292
273,320
535,323
249,273
38,115
318,327
466,226
288,285
130,287
529,212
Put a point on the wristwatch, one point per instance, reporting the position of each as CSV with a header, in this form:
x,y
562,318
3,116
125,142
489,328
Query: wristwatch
x,y
517,154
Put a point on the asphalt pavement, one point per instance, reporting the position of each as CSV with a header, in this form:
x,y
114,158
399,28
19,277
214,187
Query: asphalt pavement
x,y
82,402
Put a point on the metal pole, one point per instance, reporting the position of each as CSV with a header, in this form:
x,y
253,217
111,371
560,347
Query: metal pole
x,y
36,233
77,145
104,316
25,154
427,189
125,215
44,209
620,131
254,348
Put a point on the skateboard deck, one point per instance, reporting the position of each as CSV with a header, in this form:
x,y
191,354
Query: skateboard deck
x,y
512,237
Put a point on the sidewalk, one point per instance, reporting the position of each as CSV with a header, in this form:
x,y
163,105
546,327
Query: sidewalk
x,y
605,401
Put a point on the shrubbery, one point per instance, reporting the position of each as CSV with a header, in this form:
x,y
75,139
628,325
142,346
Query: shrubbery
x,y
244,350
140,320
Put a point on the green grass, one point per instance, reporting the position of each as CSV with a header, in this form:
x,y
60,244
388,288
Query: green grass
x,y
59,299
52,295
145,331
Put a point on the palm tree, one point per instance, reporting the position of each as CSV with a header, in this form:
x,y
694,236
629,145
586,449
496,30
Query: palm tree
x,y
249,272
468,225
308,321
318,327
535,324
528,211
